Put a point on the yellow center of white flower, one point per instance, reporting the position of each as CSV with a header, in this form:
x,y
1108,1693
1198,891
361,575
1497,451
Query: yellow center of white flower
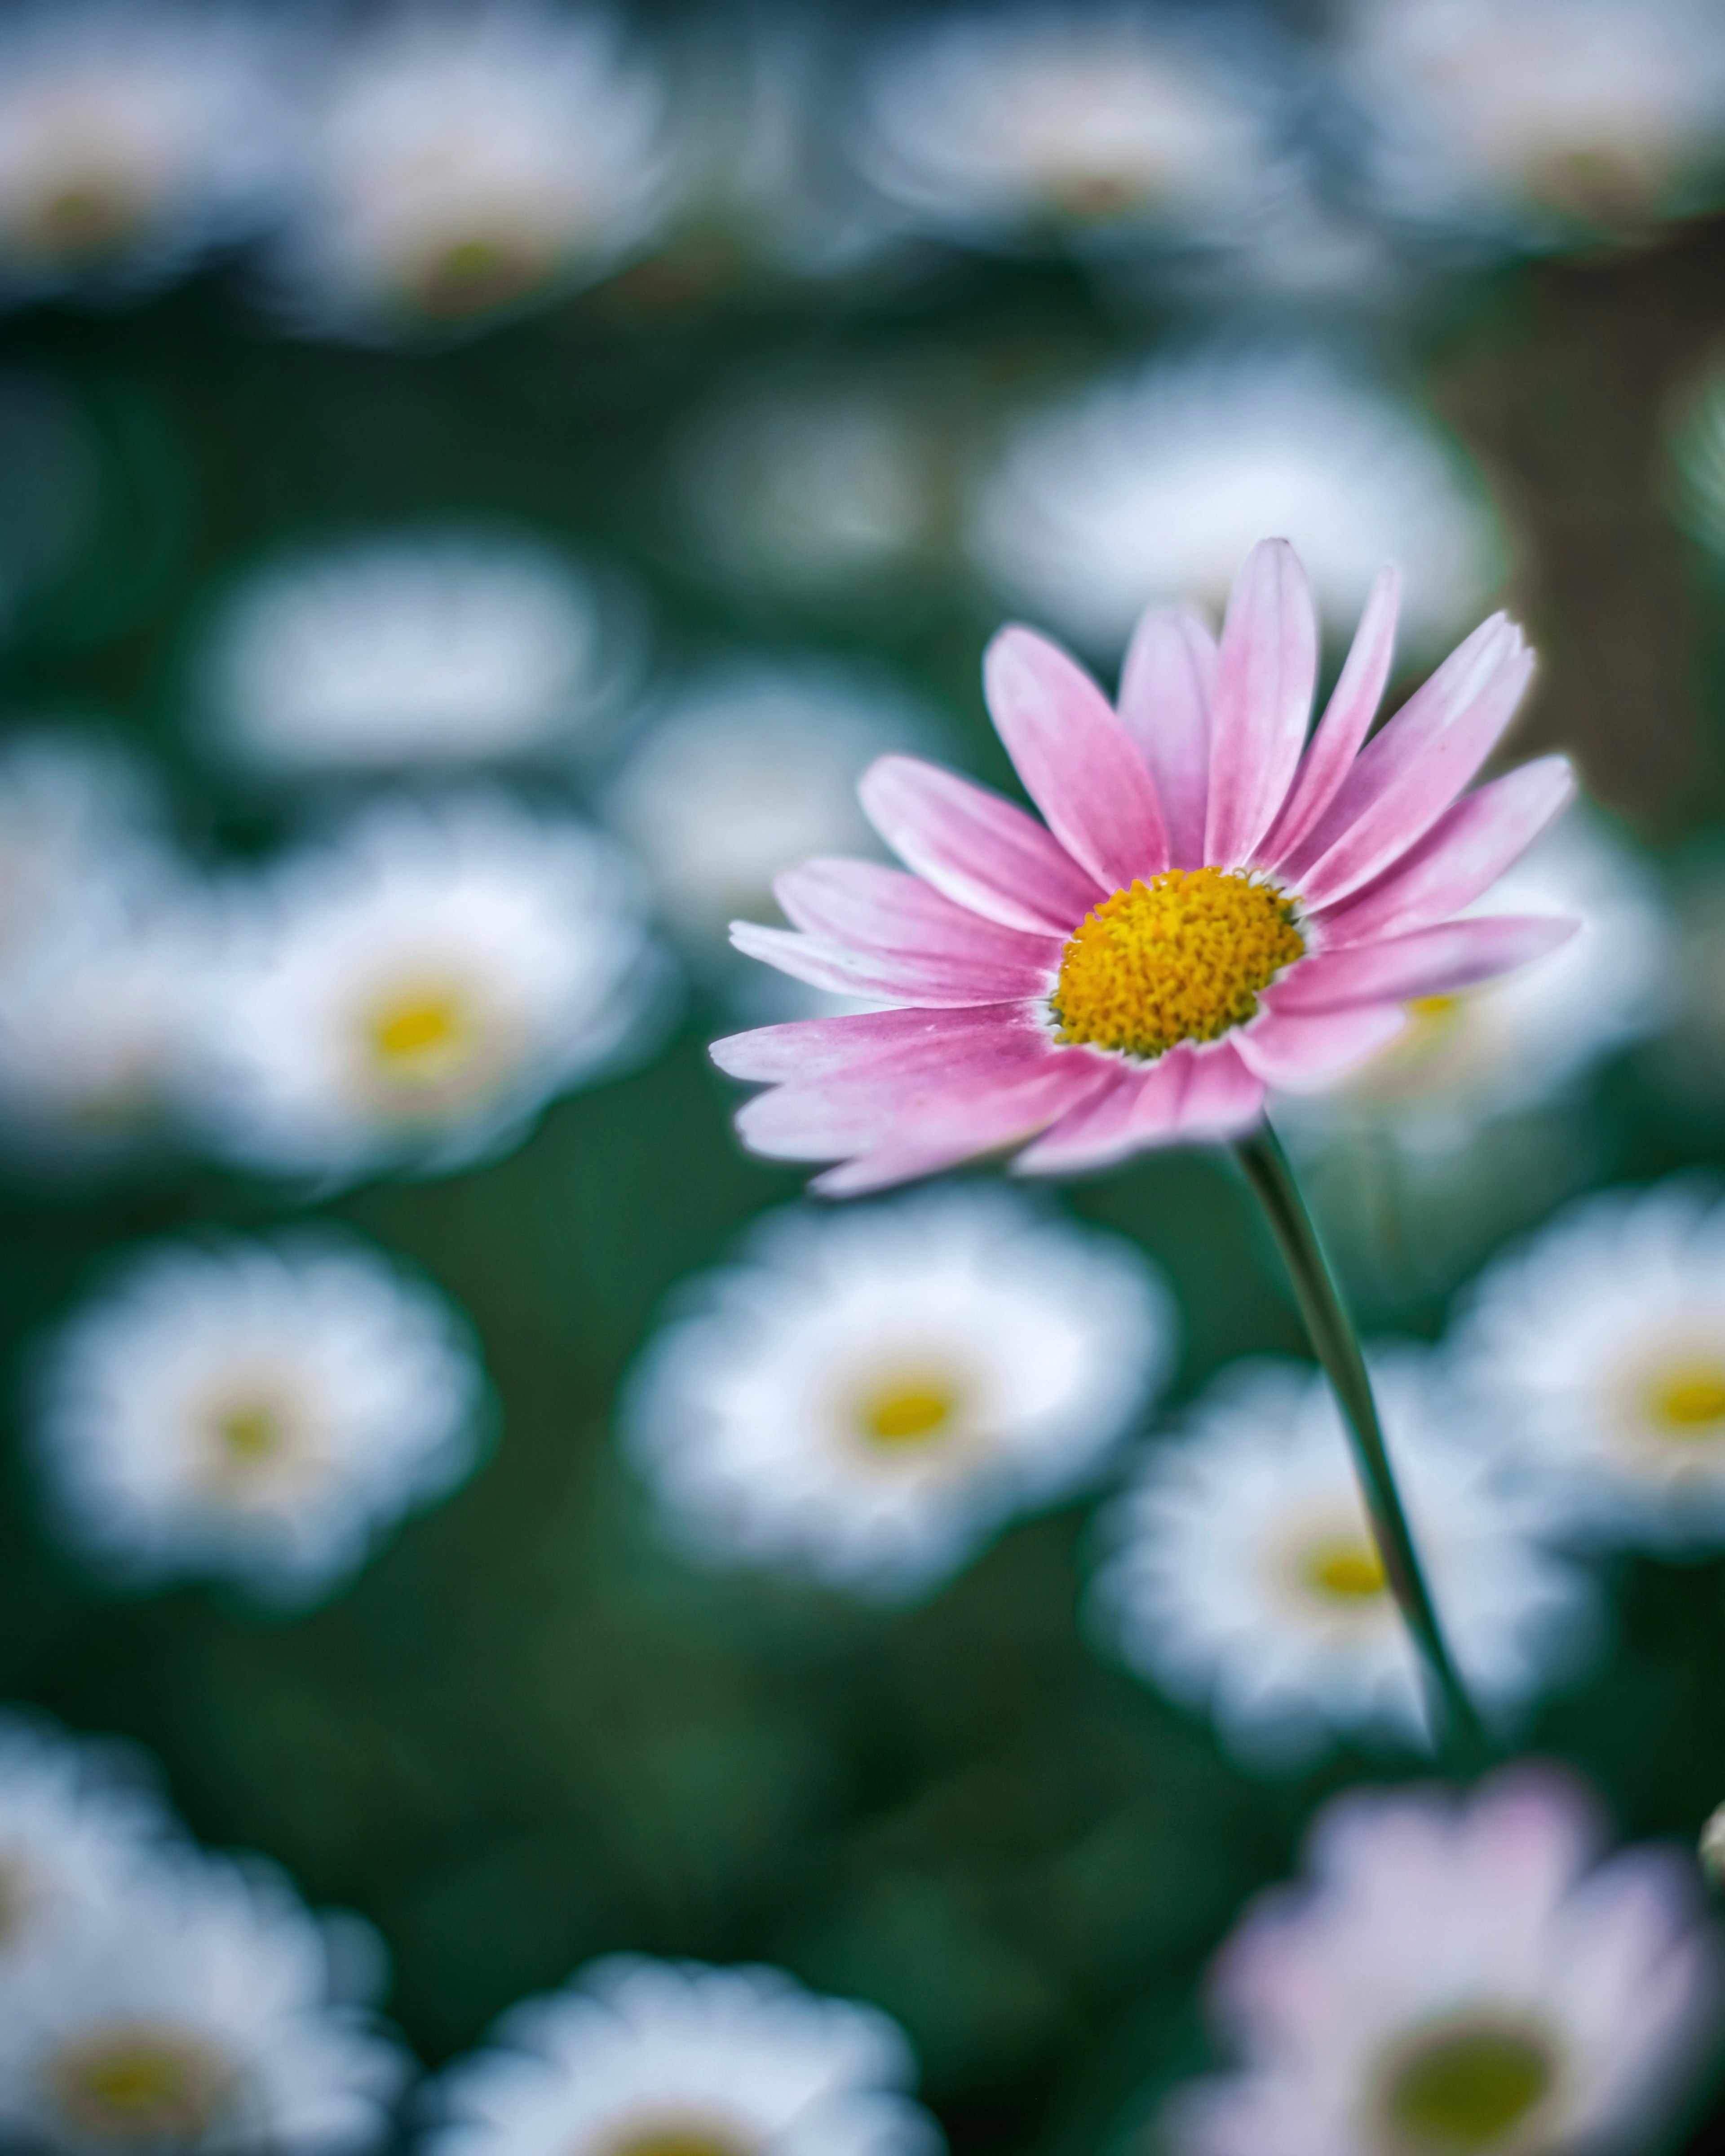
x,y
1467,2091
908,1411
138,2085
678,2143
475,274
82,215
1689,1400
1345,1569
418,1035
1182,957
250,1434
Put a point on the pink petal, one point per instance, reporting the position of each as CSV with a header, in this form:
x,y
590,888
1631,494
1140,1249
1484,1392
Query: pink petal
x,y
1224,1096
1076,760
1300,1051
1140,1109
980,850
1265,681
1404,780
809,1050
935,1126
1165,692
1431,961
905,976
867,907
1347,719
1462,856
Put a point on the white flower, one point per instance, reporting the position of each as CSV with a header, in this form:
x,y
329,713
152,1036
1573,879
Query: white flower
x,y
414,990
1698,444
262,1411
1516,1042
1461,1973
652,2058
1535,120
869,1395
1010,124
1598,1348
131,139
464,162
1241,1575
435,647
1154,485
202,2017
77,1829
749,771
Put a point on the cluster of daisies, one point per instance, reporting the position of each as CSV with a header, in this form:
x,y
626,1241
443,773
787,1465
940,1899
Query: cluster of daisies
x,y
405,172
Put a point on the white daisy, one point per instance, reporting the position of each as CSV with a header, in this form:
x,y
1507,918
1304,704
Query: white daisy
x,y
1538,120
131,138
77,1827
1520,1040
994,125
1461,1974
870,1394
654,2058
1599,1343
746,772
414,990
1152,484
1242,1577
203,2015
436,647
261,1411
463,163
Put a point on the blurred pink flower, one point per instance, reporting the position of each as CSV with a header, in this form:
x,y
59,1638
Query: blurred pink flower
x,y
1213,905
1461,1973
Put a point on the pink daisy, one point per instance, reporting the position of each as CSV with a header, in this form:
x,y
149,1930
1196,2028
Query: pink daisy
x,y
1212,905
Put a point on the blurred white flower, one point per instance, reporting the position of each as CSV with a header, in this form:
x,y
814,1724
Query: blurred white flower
x,y
869,1395
412,991
1154,485
131,138
1537,121
263,1411
749,771
463,162
1017,124
1241,1575
436,647
201,2016
653,2058
1601,1344
77,1829
1516,1042
1460,1972
1698,444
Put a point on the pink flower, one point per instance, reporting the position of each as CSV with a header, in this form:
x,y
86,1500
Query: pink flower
x,y
1212,905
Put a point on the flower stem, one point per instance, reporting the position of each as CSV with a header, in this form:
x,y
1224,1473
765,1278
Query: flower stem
x,y
1336,1344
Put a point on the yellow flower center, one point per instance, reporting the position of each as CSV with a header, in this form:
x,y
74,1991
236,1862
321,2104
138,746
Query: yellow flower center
x,y
473,275
1345,1571
419,1035
908,1412
1467,2091
1690,1401
250,1433
140,2087
678,2145
1182,957
85,215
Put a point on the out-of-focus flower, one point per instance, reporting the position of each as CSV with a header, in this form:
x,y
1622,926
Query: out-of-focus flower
x,y
1151,486
1460,1972
438,647
1698,444
261,1411
413,991
1507,1045
1600,1342
867,1397
465,163
131,139
202,2015
1242,1574
1030,123
76,1832
1537,121
1215,907
677,2058
748,771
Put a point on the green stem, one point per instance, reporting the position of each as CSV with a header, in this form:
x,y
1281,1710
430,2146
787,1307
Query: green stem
x,y
1336,1344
